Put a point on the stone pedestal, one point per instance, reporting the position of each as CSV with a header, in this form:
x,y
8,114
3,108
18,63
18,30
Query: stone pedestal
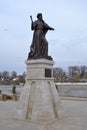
x,y
39,100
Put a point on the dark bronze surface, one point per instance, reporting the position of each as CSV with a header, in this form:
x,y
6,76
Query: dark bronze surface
x,y
39,46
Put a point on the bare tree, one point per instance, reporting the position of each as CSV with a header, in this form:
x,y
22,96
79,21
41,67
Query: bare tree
x,y
0,75
13,74
5,74
58,74
24,74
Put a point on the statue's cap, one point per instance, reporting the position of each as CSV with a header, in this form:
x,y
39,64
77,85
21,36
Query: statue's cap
x,y
38,15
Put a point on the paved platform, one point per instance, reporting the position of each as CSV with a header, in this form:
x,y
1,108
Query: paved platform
x,y
76,118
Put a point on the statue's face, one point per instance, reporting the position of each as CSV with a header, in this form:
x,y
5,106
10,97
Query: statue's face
x,y
40,17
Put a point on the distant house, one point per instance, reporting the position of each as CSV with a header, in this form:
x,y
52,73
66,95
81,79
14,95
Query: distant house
x,y
19,79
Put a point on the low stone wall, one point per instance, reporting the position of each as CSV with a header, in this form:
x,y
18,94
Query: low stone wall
x,y
72,85
0,97
5,97
72,89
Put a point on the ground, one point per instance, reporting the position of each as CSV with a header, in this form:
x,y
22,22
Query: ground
x,y
75,117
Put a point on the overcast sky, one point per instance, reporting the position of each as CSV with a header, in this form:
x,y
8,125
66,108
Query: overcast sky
x,y
67,43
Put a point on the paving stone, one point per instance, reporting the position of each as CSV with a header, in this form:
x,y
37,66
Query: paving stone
x,y
76,118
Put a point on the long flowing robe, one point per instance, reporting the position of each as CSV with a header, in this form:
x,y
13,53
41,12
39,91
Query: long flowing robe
x,y
39,46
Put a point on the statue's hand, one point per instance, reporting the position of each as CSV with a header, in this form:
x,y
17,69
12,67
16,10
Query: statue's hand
x,y
51,28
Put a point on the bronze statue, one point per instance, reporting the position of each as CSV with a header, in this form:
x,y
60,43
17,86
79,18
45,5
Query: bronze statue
x,y
39,46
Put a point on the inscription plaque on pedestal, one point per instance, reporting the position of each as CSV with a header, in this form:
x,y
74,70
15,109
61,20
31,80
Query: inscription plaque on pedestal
x,y
47,72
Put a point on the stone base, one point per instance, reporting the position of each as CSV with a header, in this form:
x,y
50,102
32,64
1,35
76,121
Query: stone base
x,y
39,100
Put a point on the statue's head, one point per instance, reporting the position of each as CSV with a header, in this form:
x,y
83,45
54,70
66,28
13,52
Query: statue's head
x,y
39,16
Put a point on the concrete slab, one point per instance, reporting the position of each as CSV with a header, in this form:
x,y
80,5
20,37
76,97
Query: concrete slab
x,y
76,119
